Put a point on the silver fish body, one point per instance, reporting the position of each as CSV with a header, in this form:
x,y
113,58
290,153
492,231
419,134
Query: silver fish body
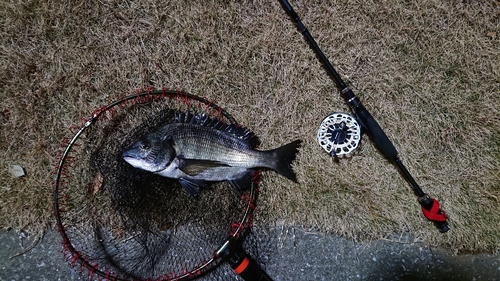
x,y
196,150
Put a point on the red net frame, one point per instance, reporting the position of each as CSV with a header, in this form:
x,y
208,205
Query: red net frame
x,y
64,165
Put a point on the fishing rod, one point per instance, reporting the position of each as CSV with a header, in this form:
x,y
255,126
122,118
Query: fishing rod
x,y
430,206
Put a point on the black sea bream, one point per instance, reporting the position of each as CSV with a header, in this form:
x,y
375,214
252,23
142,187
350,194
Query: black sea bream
x,y
197,149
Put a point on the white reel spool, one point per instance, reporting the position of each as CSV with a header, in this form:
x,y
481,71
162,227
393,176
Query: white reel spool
x,y
339,134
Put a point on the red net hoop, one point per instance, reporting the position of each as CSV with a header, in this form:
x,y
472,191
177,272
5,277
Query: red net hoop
x,y
117,223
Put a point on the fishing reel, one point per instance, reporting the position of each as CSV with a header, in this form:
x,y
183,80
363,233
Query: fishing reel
x,y
339,134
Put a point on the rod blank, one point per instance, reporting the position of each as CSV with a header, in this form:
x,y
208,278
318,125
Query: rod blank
x,y
371,126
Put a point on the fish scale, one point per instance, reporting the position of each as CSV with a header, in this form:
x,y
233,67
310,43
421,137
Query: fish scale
x,y
196,142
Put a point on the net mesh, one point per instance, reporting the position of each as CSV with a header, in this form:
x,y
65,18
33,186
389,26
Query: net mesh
x,y
118,222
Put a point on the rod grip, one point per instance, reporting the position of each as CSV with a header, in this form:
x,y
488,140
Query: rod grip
x,y
378,135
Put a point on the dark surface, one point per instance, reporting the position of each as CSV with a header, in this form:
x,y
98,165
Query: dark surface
x,y
287,253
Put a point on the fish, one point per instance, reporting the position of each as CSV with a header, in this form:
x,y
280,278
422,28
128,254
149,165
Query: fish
x,y
198,150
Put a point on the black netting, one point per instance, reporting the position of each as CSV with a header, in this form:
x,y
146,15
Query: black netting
x,y
132,224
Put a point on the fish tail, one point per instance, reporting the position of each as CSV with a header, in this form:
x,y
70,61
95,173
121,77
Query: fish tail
x,y
284,156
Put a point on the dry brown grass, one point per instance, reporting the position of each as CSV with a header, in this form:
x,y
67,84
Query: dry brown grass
x,y
428,72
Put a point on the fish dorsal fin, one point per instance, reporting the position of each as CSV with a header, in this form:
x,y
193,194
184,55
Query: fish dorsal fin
x,y
193,167
204,120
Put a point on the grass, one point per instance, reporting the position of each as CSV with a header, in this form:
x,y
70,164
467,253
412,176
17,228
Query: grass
x,y
428,72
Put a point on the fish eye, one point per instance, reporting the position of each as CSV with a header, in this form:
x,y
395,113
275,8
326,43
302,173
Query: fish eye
x,y
144,145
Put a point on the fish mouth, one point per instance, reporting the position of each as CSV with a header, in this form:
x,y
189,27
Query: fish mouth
x,y
136,163
129,159
128,154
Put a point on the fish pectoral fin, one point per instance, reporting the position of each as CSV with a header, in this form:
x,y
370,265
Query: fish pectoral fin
x,y
244,182
193,186
193,167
